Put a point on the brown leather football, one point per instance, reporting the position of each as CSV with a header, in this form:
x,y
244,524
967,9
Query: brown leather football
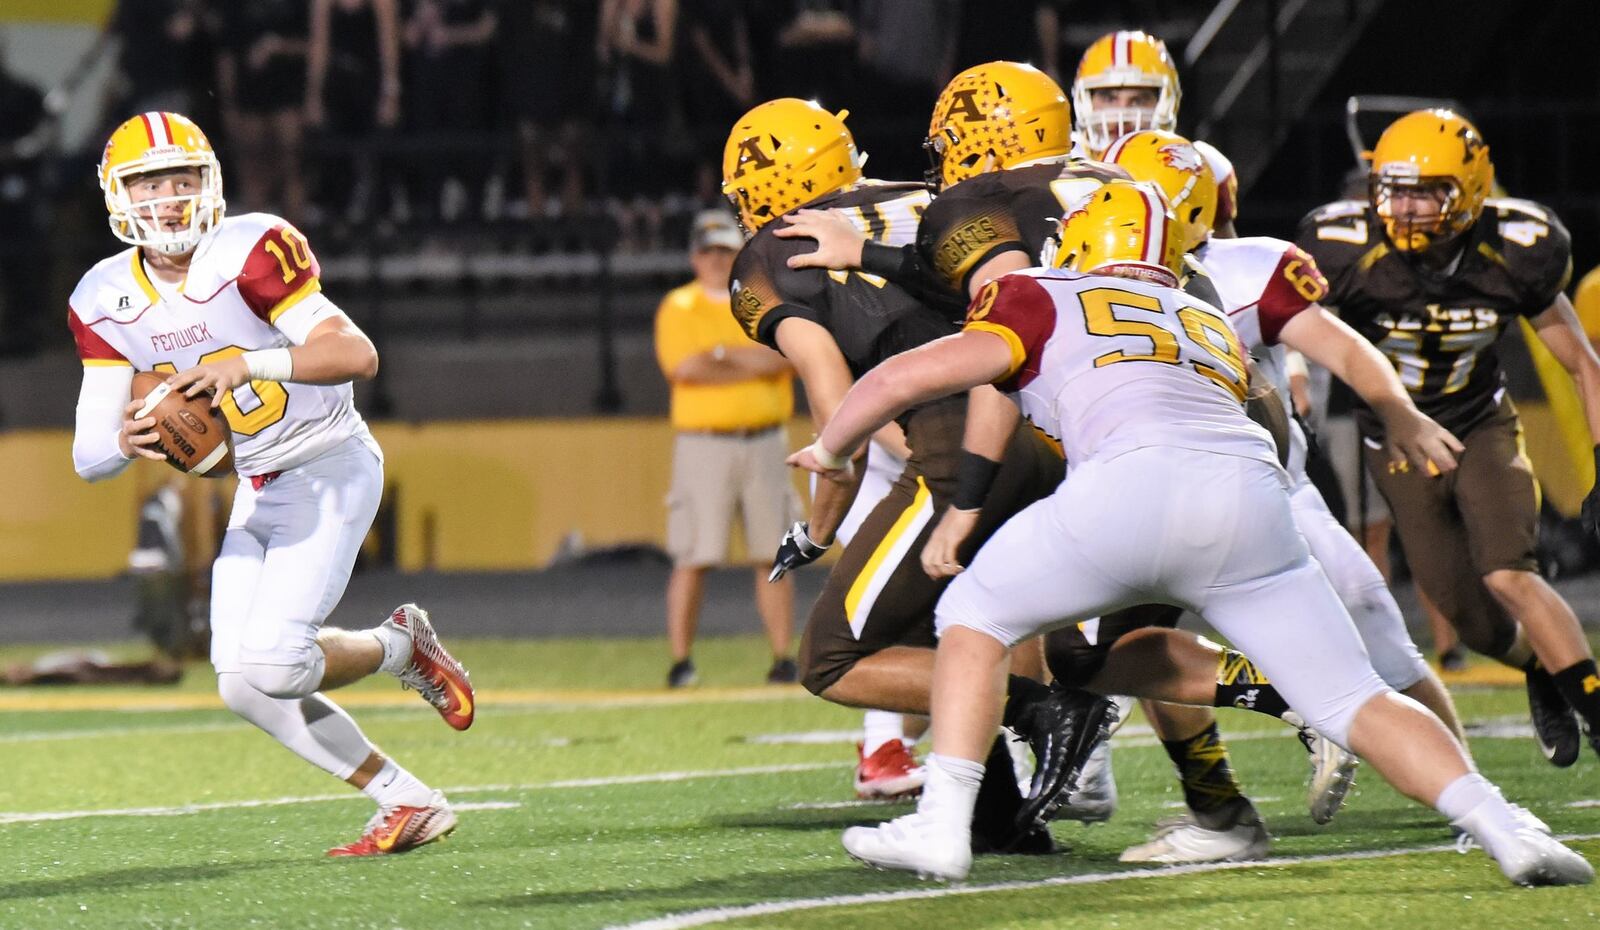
x,y
194,437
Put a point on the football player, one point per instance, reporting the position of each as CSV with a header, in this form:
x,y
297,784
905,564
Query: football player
x,y
1000,144
1431,269
1269,288
233,306
1126,81
868,641
1144,386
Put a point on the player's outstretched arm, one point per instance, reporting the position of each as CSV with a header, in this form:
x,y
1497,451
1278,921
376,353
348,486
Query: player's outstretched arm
x,y
936,369
1328,341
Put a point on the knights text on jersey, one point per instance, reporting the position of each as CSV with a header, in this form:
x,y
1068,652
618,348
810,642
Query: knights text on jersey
x,y
1016,210
870,318
253,284
1441,328
1106,365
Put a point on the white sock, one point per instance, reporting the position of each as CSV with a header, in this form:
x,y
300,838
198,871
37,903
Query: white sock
x,y
396,648
951,790
1465,793
393,786
879,727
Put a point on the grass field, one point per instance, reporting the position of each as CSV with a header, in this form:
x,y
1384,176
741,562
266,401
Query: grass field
x,y
590,798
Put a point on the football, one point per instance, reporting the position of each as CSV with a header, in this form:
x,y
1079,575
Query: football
x,y
194,437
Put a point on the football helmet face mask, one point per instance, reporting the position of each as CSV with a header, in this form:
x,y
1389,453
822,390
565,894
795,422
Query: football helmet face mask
x,y
995,116
1126,229
785,153
1125,59
152,142
1172,163
1430,176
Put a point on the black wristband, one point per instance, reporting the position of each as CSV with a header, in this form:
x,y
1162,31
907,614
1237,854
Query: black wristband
x,y
886,261
974,475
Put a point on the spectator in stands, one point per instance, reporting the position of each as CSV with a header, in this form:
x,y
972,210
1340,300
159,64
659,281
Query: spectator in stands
x,y
637,50
23,275
1010,30
448,93
352,89
730,401
547,81
165,54
261,74
905,50
719,82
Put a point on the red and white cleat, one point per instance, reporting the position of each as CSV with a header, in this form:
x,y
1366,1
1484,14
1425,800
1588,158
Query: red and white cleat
x,y
890,772
401,829
433,672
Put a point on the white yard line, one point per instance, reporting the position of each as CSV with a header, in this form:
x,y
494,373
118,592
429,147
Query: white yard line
x,y
187,809
717,915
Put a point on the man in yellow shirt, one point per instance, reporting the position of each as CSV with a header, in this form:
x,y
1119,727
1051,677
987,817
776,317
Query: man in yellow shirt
x,y
730,400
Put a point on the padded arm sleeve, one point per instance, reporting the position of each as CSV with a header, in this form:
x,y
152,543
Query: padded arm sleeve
x,y
95,454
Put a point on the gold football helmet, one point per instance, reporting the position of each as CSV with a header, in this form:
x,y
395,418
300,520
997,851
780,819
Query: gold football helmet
x,y
158,141
1125,228
1172,163
995,116
1435,153
1125,59
785,153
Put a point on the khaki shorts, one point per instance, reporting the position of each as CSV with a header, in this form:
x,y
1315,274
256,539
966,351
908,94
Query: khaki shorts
x,y
718,475
1483,517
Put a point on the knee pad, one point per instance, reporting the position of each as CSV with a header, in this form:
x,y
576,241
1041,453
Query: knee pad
x,y
1333,715
282,675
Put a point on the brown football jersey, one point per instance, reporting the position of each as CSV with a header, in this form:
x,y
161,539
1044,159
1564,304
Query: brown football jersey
x,y
1440,328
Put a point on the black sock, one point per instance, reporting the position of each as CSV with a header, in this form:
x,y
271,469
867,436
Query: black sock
x,y
1021,693
1580,685
1240,684
1202,762
999,799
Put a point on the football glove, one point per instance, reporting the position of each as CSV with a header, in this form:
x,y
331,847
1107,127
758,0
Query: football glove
x,y
796,550
1590,514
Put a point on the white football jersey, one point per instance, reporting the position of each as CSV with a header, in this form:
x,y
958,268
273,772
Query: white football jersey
x,y
1106,365
253,284
1263,283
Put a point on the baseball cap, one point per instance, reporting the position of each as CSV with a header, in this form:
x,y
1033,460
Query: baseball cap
x,y
715,229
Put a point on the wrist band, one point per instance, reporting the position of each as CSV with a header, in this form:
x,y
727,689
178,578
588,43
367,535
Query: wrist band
x,y
827,459
974,475
269,365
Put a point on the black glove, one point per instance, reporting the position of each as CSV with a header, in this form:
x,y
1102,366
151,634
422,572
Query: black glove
x,y
796,550
1590,514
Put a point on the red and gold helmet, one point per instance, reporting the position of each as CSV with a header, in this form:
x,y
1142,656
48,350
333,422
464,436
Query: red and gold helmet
x,y
1124,228
1124,59
1439,152
785,153
158,141
1172,163
995,116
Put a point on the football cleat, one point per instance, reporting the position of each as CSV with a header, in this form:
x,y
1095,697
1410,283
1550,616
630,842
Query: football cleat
x,y
1555,726
682,674
433,672
401,829
1243,836
915,843
783,672
1095,799
1063,730
1038,842
1333,774
1529,857
889,773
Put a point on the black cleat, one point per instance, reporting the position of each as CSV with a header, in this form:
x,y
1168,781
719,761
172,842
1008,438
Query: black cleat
x,y
1062,730
1036,842
1555,726
682,674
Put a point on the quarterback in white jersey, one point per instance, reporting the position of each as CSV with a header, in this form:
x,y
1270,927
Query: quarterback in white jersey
x,y
1174,495
234,306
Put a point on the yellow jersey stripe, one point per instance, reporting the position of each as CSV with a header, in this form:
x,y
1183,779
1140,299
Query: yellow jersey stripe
x,y
284,305
143,279
105,362
1019,355
908,522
